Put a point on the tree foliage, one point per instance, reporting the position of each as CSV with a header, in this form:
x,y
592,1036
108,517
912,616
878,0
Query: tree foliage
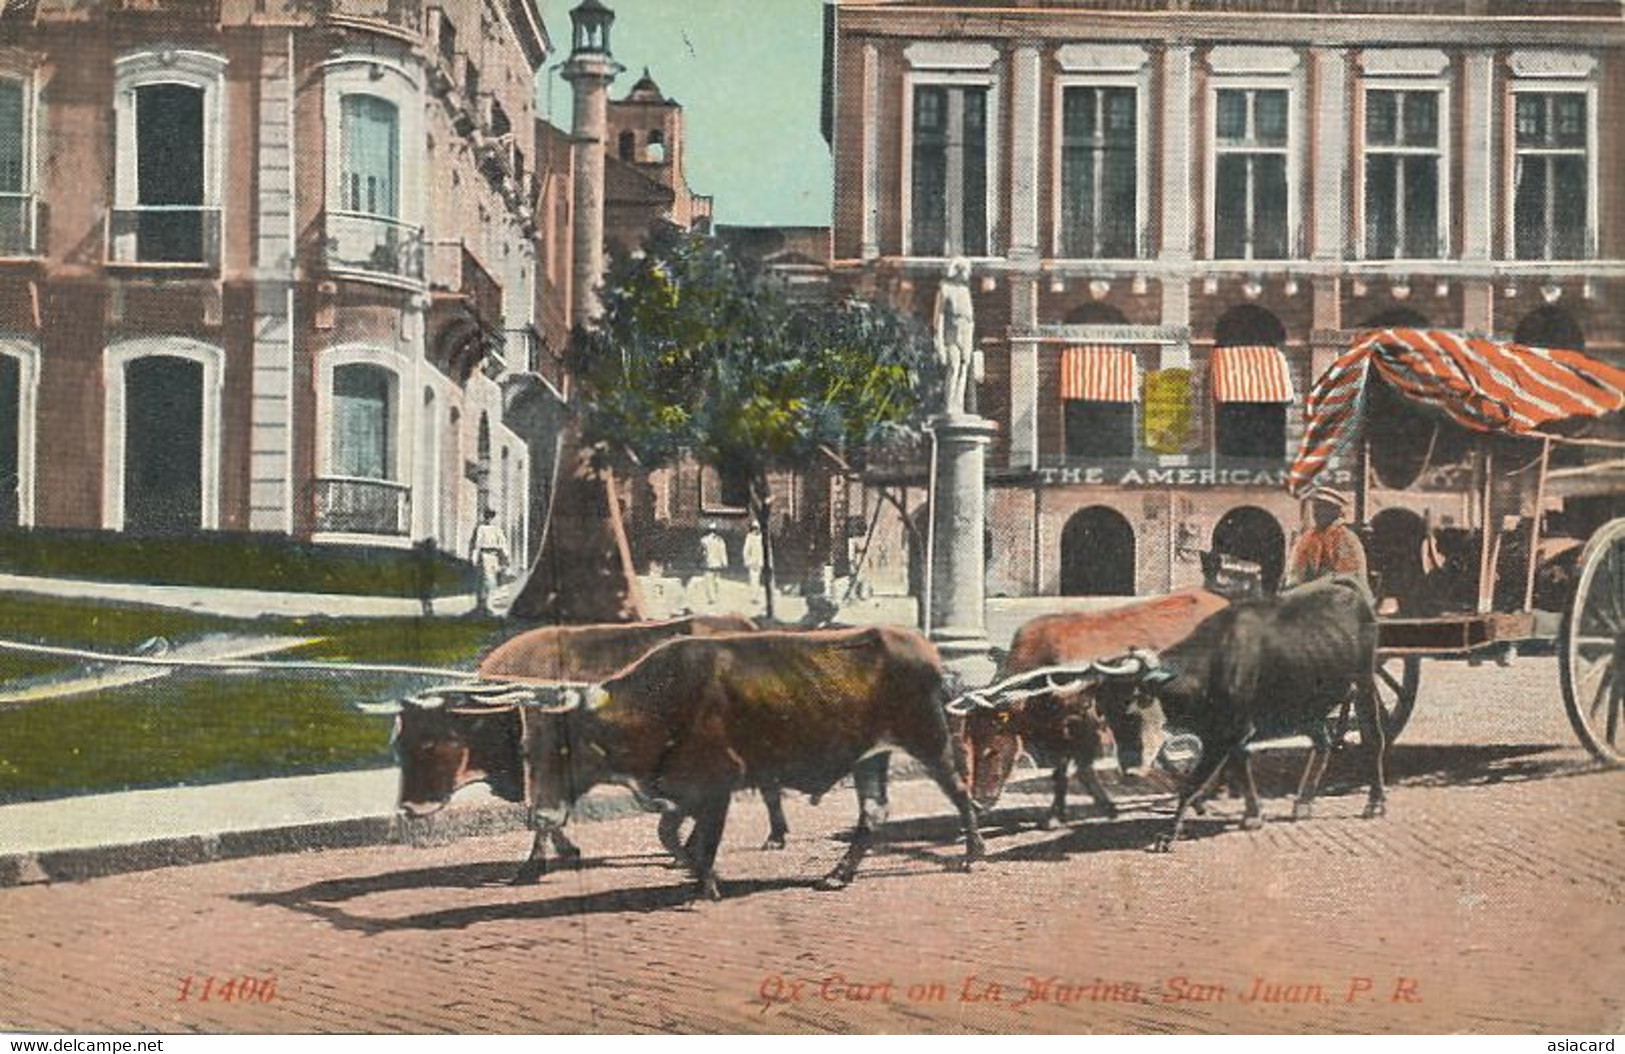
x,y
695,353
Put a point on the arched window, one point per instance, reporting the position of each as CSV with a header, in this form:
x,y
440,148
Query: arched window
x,y
1550,327
629,146
372,156
1251,384
1097,554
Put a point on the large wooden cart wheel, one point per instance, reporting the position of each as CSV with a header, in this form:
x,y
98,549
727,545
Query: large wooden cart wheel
x,y
1591,648
1397,680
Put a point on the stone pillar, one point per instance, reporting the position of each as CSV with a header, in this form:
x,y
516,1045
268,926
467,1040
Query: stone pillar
x,y
1331,151
589,74
1177,167
270,488
1023,372
959,559
870,122
1024,155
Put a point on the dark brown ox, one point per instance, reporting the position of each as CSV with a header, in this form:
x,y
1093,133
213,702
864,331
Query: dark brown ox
x,y
1068,725
1267,669
696,719
451,739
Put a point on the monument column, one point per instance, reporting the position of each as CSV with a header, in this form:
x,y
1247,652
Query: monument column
x,y
956,614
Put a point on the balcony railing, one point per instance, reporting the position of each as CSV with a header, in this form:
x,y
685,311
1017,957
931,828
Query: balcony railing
x,y
453,268
19,225
378,245
164,235
362,506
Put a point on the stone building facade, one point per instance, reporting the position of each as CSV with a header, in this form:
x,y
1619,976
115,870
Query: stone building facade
x,y
1178,215
268,266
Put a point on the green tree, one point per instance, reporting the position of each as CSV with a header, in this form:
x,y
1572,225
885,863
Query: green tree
x,y
695,353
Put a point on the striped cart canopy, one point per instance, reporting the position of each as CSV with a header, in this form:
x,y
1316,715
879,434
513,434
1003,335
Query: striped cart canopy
x,y
1098,373
1483,385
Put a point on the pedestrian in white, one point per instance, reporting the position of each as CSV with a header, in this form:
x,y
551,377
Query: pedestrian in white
x,y
754,556
489,552
714,558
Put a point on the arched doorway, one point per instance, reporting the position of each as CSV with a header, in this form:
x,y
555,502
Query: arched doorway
x,y
1097,554
11,420
1249,533
163,445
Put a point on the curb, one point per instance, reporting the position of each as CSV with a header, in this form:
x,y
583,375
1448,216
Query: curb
x,y
449,825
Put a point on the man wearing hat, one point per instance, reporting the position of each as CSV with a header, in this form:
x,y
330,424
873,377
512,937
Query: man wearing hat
x,y
1328,545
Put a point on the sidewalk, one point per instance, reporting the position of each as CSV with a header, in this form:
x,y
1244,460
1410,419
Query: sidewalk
x,y
236,603
70,839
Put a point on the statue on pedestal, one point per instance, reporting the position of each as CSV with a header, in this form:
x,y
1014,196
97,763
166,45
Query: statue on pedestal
x,y
955,318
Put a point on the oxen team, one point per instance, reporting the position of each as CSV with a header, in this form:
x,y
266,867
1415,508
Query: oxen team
x,y
686,712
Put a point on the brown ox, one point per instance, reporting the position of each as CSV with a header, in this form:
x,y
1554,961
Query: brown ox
x,y
696,719
1069,724
460,738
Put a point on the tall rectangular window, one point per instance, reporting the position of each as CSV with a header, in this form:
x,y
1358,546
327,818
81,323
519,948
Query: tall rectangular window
x,y
1403,163
949,158
1552,175
1251,216
16,201
169,170
361,422
1099,158
371,137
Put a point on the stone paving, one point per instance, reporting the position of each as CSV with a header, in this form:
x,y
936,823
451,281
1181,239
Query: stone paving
x,y
1488,900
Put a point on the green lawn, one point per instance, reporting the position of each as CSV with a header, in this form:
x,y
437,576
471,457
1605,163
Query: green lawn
x,y
198,727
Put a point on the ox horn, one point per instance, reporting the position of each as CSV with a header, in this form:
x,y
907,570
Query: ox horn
x,y
1131,665
389,709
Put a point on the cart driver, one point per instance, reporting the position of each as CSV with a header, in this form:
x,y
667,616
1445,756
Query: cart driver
x,y
1328,545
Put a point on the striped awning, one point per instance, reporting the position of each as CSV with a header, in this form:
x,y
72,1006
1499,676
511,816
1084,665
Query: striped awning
x,y
1098,373
1251,374
1482,385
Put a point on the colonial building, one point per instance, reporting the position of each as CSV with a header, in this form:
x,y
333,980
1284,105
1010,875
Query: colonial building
x,y
1178,215
269,266
645,181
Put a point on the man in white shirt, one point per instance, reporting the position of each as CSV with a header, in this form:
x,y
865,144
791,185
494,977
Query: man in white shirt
x,y
714,558
489,552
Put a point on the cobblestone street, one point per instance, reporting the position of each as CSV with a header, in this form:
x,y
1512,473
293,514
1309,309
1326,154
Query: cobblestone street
x,y
1489,899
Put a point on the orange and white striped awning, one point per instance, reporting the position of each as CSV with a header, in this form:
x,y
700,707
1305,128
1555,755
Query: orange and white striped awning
x,y
1251,374
1099,373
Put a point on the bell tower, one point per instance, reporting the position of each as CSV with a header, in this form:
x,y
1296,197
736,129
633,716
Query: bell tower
x,y
590,70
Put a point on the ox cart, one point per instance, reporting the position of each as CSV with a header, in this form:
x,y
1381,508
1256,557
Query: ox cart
x,y
1530,558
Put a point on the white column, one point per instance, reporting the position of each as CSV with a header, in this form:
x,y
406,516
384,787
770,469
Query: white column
x,y
1024,160
1330,178
270,458
869,92
1177,192
1477,115
1023,374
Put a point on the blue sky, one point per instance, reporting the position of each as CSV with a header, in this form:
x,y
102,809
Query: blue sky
x,y
748,73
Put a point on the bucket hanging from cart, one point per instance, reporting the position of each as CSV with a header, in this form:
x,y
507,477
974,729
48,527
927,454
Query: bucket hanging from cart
x,y
1486,386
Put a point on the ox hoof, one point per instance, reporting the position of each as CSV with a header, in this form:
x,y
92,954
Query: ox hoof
x,y
774,841
1374,810
1164,844
709,889
832,881
1049,822
1303,811
529,874
1251,823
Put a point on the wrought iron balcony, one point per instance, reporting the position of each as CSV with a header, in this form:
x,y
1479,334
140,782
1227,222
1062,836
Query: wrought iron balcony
x,y
362,243
346,505
164,235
